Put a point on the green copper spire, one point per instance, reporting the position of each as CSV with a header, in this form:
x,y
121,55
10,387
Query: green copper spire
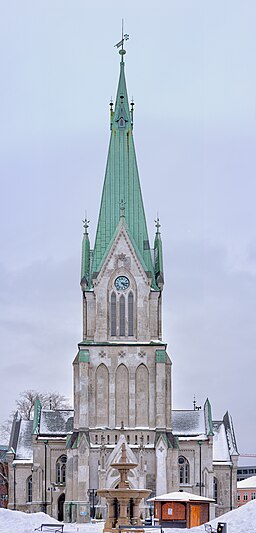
x,y
122,184
85,265
158,257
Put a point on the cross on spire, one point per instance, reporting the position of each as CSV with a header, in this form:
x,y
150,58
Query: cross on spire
x,y
86,223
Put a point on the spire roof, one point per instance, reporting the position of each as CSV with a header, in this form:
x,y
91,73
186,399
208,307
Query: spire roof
x,y
121,196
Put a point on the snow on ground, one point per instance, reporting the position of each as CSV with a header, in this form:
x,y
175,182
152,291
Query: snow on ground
x,y
241,520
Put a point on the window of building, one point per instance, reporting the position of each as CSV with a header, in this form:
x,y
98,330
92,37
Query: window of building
x,y
253,495
96,439
147,439
128,439
29,489
215,489
136,439
113,314
122,316
130,314
238,496
184,470
61,469
122,313
245,496
107,439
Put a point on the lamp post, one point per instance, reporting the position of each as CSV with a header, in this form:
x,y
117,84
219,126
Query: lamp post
x,y
45,476
92,492
200,467
14,487
231,486
51,489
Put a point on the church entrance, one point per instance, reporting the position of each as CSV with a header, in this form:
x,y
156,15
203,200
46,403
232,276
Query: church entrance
x,y
61,501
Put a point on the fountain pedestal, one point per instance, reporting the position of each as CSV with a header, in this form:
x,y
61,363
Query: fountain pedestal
x,y
121,497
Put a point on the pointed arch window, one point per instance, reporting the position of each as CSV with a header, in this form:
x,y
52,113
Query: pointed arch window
x,y
122,316
61,469
215,489
130,314
29,489
184,470
121,123
113,314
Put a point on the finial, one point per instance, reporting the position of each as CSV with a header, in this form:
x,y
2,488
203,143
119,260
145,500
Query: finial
x,y
86,223
122,208
158,225
194,402
125,37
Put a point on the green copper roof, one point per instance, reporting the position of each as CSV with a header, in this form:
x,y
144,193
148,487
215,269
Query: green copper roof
x,y
158,257
121,190
85,266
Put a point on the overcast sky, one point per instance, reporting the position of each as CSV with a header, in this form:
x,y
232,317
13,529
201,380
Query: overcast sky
x,y
190,67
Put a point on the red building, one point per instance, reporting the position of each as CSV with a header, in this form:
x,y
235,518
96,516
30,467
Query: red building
x,y
246,490
3,477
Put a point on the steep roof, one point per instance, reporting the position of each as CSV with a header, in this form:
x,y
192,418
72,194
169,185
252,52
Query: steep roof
x,y
188,423
58,422
24,449
248,483
121,196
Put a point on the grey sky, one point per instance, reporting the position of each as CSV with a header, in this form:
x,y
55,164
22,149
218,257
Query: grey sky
x,y
190,66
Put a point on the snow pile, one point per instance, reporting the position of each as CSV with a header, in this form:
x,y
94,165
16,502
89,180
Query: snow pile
x,y
241,520
18,522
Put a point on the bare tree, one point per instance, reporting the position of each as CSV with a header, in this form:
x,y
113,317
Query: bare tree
x,y
49,400
25,405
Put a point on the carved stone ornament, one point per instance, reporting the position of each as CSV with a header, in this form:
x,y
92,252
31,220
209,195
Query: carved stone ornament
x,y
102,354
121,353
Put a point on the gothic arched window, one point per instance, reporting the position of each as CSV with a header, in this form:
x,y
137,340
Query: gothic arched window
x,y
215,489
113,314
29,489
61,469
122,316
130,314
184,470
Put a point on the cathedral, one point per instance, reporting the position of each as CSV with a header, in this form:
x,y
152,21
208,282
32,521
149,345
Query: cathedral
x,y
121,373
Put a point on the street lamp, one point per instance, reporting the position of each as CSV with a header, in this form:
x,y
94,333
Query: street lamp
x,y
93,493
14,487
45,476
51,489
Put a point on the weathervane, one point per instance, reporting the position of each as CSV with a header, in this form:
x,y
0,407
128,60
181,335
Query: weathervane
x,y
125,37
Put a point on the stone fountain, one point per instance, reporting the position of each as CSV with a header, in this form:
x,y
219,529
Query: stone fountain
x,y
119,499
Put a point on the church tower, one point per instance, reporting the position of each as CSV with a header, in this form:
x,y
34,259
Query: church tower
x,y
122,372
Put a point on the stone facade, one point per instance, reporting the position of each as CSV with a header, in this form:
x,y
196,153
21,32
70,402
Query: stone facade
x,y
122,373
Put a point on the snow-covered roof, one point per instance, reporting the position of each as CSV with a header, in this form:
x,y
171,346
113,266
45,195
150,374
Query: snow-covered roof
x,y
188,423
248,483
24,445
57,422
220,443
180,496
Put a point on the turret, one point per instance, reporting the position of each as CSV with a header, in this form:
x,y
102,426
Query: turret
x,y
158,257
85,265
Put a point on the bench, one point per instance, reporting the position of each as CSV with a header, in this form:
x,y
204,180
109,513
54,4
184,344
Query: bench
x,y
138,529
56,528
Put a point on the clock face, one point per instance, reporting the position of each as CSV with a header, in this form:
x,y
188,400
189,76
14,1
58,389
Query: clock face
x,y
122,283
